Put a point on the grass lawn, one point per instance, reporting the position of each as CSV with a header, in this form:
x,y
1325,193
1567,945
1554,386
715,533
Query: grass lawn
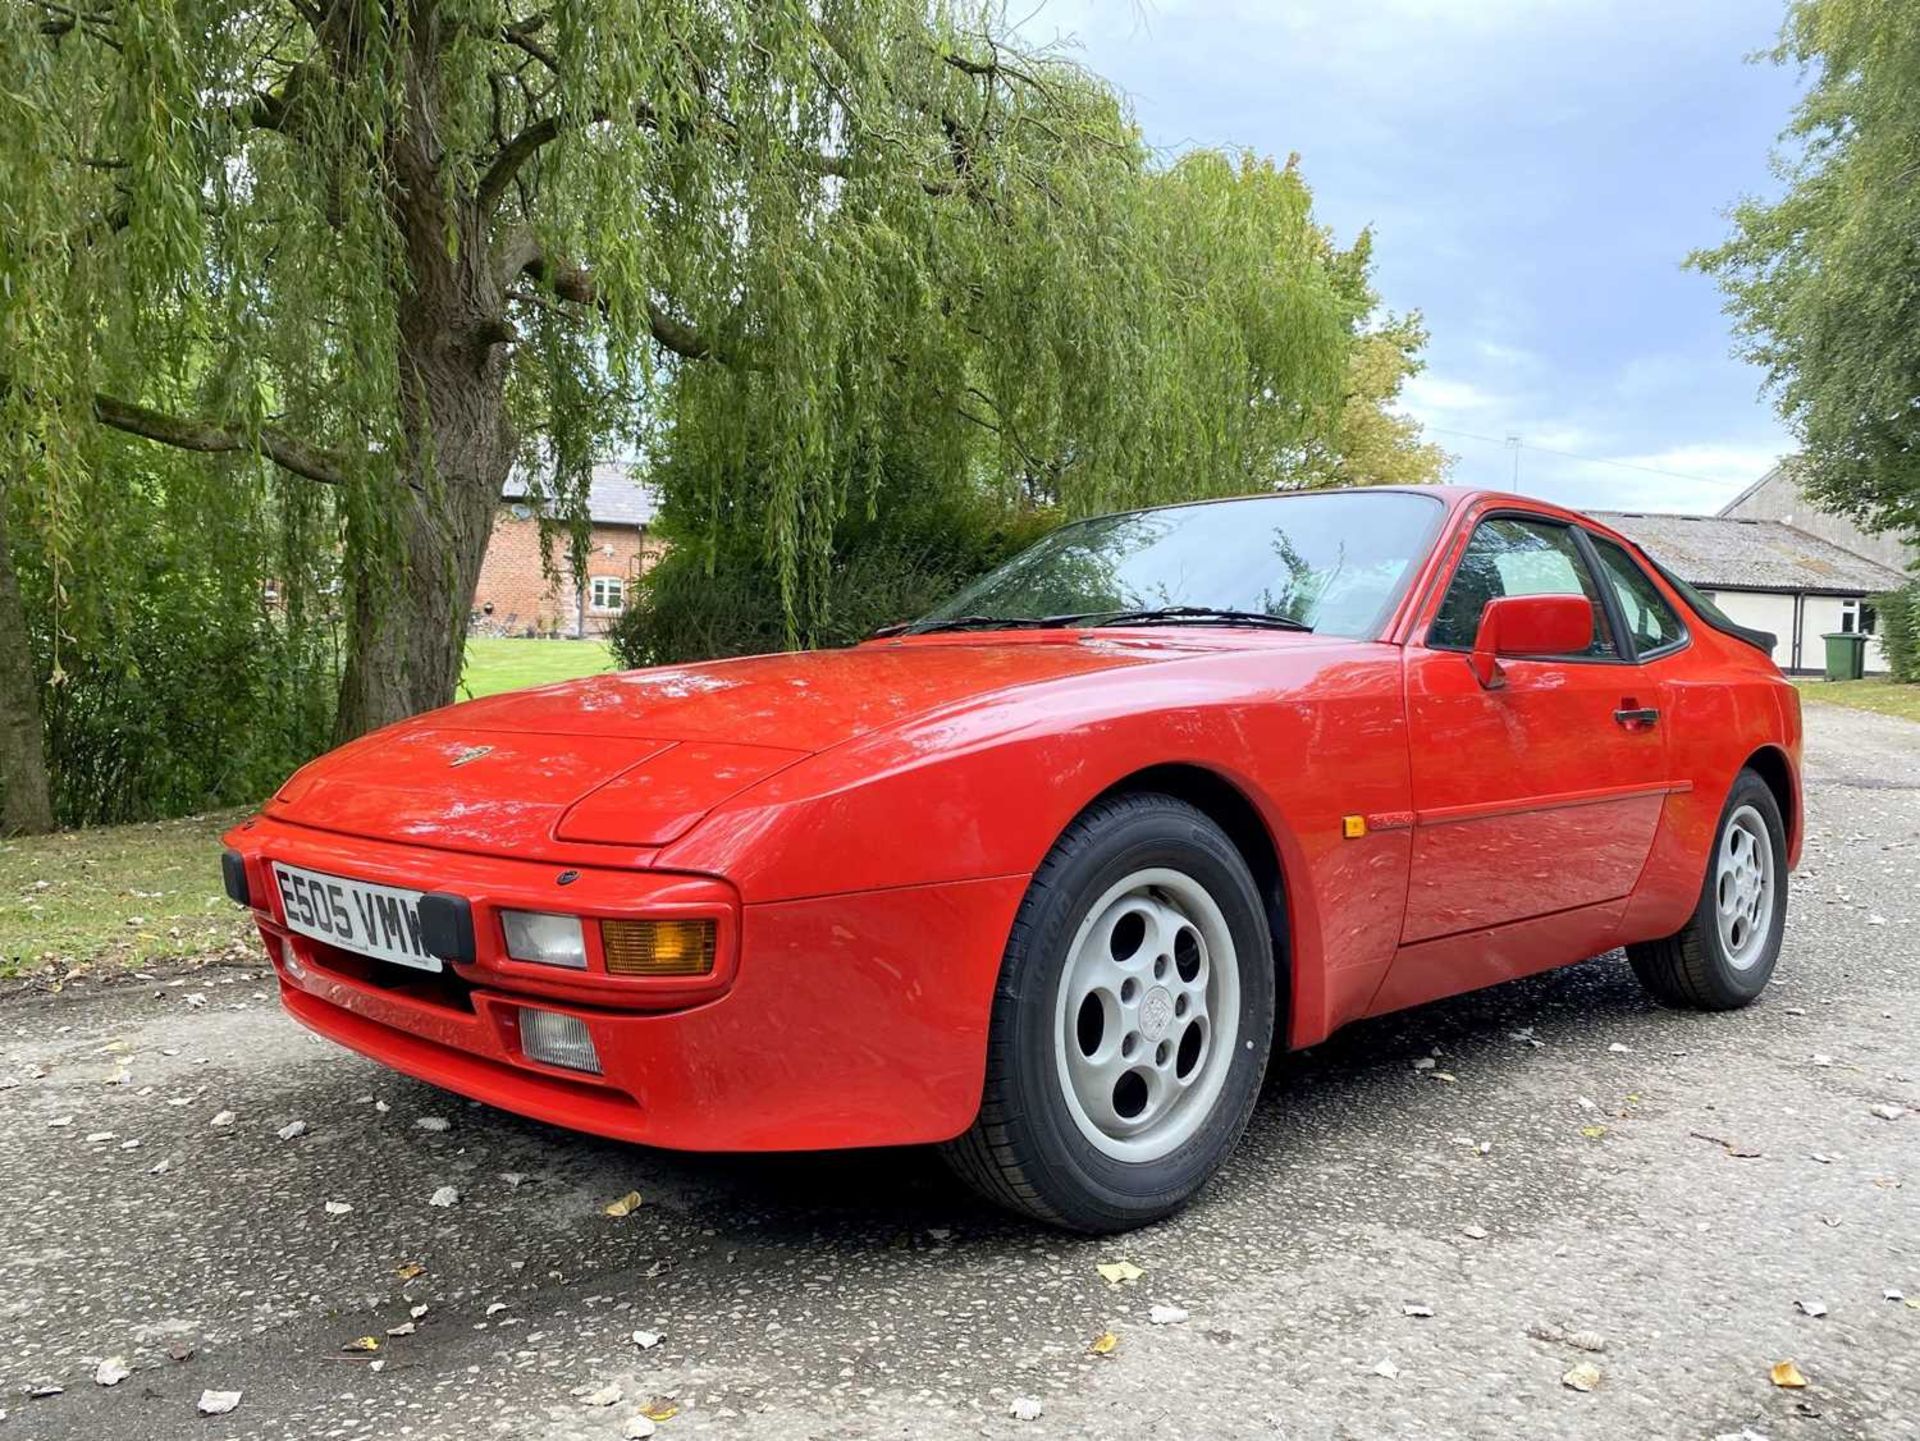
x,y
128,896
1875,694
497,663
116,896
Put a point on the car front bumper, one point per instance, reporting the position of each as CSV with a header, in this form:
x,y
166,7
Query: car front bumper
x,y
857,1019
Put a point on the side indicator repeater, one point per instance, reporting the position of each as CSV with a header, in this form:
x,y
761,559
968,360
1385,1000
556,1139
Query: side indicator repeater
x,y
1353,827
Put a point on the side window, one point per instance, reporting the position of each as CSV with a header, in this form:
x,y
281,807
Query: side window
x,y
1510,556
1650,620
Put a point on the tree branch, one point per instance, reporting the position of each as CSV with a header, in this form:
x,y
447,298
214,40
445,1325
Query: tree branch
x,y
210,437
522,255
514,154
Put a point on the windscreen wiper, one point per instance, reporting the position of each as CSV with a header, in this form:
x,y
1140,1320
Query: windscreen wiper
x,y
970,622
1194,614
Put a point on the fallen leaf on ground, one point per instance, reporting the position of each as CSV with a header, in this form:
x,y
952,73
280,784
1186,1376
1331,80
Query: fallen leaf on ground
x,y
410,1270
1025,1408
433,1123
1586,1341
1116,1272
218,1403
660,1408
625,1206
362,1343
1167,1315
1787,1375
111,1372
445,1196
1593,1133
1583,1377
1104,1343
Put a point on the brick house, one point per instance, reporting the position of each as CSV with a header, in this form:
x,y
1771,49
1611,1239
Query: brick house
x,y
515,596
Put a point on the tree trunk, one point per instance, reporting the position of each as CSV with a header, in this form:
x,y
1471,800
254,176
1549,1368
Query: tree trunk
x,y
407,622
26,798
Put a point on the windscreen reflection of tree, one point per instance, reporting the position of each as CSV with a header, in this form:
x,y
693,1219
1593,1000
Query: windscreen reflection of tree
x,y
1080,572
1297,596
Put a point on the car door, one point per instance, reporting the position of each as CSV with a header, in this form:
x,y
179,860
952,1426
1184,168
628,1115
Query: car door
x,y
1542,793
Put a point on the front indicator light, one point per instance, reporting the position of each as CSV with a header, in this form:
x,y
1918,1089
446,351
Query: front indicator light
x,y
557,1040
658,948
546,938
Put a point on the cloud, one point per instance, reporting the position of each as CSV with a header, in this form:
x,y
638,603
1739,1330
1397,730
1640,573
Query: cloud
x,y
1432,397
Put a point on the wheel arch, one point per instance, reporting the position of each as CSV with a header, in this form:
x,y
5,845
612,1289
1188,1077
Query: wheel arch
x,y
1229,807
1770,763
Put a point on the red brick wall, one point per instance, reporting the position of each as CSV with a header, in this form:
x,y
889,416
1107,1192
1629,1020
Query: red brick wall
x,y
521,599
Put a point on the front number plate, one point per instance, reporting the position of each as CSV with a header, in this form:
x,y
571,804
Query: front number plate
x,y
379,921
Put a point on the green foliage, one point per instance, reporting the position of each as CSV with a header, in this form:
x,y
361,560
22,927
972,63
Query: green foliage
x,y
1821,283
822,262
1899,614
174,685
914,549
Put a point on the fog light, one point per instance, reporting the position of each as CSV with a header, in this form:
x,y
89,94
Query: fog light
x,y
549,939
658,948
557,1040
290,960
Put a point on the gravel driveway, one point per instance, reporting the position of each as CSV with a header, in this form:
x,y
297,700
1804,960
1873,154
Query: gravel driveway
x,y
1576,1167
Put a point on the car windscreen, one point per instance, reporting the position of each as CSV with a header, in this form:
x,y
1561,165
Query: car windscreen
x,y
1335,562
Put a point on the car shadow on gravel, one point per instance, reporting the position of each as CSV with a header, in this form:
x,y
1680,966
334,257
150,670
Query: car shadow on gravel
x,y
876,1194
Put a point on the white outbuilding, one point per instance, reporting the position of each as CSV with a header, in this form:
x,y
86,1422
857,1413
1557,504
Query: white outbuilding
x,y
1771,576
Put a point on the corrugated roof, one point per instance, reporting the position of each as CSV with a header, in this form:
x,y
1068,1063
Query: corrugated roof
x,y
617,495
1729,553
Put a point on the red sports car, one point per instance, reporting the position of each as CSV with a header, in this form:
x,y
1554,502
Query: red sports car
x,y
1046,875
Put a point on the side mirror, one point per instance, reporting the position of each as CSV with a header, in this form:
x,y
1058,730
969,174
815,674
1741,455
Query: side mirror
x,y
1523,625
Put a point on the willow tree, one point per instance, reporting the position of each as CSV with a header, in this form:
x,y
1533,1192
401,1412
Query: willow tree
x,y
395,249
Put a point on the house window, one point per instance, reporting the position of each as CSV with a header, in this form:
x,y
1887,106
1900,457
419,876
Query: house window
x,y
609,592
1857,617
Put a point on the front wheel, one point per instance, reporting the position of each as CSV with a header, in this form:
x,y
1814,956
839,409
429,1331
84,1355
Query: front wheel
x,y
1132,1022
1725,954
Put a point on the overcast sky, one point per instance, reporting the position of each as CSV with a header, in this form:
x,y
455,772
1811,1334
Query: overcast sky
x,y
1535,172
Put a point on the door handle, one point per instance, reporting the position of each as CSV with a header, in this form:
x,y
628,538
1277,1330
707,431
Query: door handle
x,y
1642,716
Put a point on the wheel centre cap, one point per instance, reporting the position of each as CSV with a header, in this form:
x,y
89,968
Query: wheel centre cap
x,y
1156,1013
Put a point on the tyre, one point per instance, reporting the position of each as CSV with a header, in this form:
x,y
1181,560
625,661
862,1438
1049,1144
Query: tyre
x,y
1724,955
1131,1024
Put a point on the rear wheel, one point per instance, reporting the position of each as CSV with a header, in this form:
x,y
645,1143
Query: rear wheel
x,y
1725,954
1131,1025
